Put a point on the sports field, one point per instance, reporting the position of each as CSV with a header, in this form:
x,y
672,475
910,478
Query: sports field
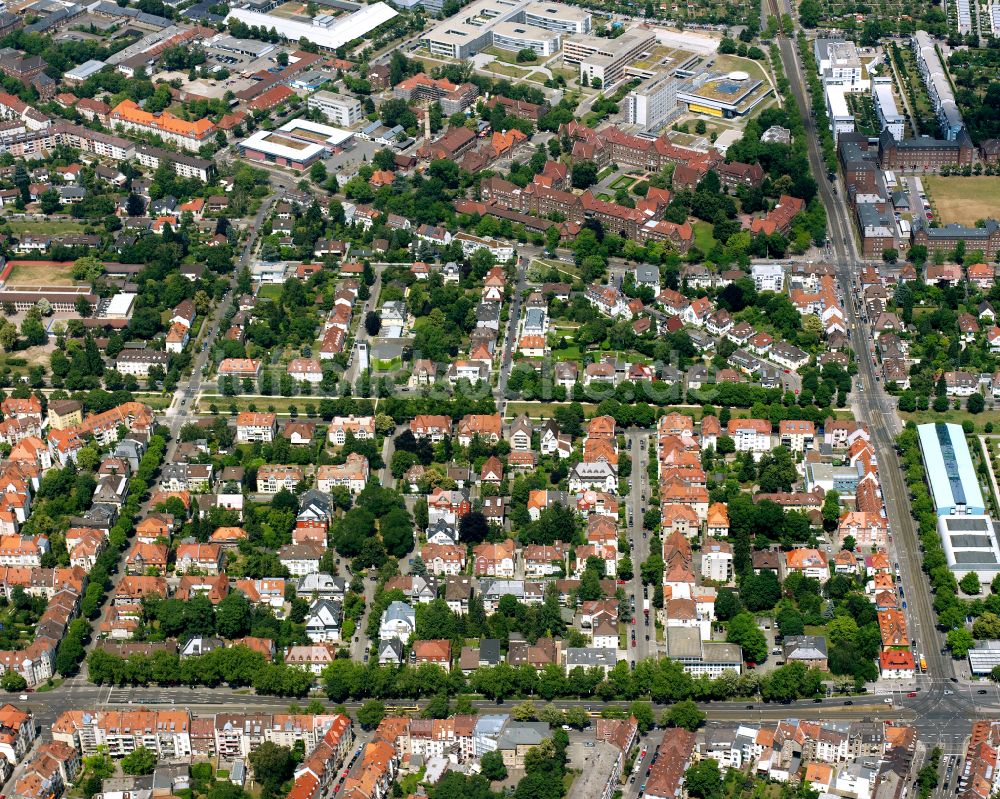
x,y
963,200
44,273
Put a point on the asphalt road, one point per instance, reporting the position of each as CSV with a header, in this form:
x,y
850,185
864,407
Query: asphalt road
x,y
640,544
943,711
78,694
510,337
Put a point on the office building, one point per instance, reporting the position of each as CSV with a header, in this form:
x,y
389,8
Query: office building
x,y
340,109
557,17
839,62
841,118
517,36
606,59
653,102
493,22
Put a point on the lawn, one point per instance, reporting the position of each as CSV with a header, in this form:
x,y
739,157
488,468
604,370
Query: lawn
x,y
605,197
543,410
703,238
623,182
538,264
41,274
963,200
155,401
570,353
504,69
507,56
279,405
953,417
48,227
270,291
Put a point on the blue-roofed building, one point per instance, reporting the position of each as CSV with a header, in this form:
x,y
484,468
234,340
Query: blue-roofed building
x,y
950,474
486,734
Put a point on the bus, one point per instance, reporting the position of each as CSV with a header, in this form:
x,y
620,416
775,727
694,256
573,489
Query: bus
x,y
923,663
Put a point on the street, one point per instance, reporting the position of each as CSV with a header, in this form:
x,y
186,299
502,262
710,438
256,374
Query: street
x,y
637,448
940,718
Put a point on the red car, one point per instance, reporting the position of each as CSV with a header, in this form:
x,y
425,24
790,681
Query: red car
x,y
633,643
911,695
633,620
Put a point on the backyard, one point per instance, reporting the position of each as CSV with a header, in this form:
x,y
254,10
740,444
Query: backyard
x,y
47,227
703,238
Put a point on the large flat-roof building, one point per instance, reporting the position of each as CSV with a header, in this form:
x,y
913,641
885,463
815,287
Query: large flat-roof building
x,y
839,62
507,24
889,117
557,17
970,545
517,36
296,144
950,473
653,101
326,32
340,109
963,16
702,657
724,96
606,59
841,118
937,83
984,657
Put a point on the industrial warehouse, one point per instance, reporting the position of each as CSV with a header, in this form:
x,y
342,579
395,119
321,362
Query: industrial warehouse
x,y
968,534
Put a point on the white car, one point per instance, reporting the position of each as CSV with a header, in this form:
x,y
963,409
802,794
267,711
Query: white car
x,y
888,700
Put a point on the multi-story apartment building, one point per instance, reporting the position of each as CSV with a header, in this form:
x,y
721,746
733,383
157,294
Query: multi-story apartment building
x,y
127,115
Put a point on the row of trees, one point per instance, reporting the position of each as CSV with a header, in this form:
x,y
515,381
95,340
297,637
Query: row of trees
x,y
236,666
71,649
662,680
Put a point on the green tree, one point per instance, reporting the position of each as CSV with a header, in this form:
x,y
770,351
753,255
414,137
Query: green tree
x,y
643,713
13,682
970,583
370,714
727,604
831,511
703,780
809,13
272,765
492,764
684,714
584,174
960,641
233,616
743,630
141,761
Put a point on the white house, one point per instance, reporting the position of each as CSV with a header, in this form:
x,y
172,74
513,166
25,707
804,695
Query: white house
x,y
768,277
600,475
398,621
